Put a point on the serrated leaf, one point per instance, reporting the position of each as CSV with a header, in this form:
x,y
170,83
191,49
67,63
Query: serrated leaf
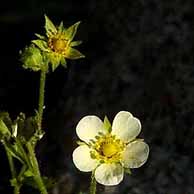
x,y
107,124
71,31
49,27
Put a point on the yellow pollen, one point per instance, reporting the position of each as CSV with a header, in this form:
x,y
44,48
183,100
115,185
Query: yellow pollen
x,y
58,45
109,149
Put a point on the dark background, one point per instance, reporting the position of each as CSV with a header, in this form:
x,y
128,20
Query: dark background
x,y
139,58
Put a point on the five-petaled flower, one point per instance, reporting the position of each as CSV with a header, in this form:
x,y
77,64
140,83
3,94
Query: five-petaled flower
x,y
109,152
58,44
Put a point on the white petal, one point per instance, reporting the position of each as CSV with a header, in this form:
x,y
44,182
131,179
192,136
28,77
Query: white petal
x,y
82,159
109,174
135,154
88,127
125,126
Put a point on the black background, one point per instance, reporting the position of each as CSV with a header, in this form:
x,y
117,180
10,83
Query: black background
x,y
139,58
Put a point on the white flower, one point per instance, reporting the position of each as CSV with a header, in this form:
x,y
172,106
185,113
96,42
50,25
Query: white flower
x,y
109,152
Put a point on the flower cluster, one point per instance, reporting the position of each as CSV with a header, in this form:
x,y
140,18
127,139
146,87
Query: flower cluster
x,y
108,151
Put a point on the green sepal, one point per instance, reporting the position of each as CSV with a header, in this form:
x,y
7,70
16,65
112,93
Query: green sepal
x,y
72,53
61,27
75,43
40,36
107,124
80,143
71,31
55,60
49,27
63,62
41,44
128,171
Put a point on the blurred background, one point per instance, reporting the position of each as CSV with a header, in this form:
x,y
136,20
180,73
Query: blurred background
x,y
139,58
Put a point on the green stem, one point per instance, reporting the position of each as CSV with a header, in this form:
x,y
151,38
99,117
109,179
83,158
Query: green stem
x,y
37,176
93,184
41,97
13,172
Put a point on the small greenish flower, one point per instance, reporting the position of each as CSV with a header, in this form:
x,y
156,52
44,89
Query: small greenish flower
x,y
109,152
32,58
58,43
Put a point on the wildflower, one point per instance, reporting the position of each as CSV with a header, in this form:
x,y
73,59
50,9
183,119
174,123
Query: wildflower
x,y
108,151
58,43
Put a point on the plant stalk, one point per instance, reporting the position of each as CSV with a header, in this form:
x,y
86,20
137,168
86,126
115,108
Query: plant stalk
x,y
41,97
37,176
13,171
93,184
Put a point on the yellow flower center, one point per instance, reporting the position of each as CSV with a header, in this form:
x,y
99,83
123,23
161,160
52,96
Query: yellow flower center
x,y
107,149
58,44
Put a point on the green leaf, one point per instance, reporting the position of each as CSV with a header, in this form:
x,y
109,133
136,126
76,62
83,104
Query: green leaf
x,y
13,150
107,124
75,43
71,31
6,119
3,129
49,27
14,182
49,182
28,173
73,54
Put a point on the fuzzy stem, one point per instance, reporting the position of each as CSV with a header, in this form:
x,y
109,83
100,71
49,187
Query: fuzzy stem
x,y
13,172
93,184
38,179
41,97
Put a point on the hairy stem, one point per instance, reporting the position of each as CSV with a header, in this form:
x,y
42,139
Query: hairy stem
x,y
93,184
37,176
41,97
